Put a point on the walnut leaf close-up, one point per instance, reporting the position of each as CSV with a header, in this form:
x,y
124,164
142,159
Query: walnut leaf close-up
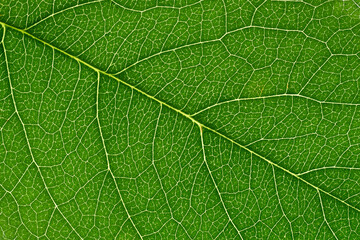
x,y
179,119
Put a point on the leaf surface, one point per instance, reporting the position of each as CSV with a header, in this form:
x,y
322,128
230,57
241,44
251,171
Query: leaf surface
x,y
179,119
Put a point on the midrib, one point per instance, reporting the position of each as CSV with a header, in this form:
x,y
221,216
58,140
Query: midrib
x,y
201,125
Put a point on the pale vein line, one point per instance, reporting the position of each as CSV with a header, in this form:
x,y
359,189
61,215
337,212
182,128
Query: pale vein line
x,y
325,168
21,177
356,3
160,53
27,139
273,96
49,223
98,119
222,231
107,155
3,36
314,74
323,212
155,7
215,185
180,112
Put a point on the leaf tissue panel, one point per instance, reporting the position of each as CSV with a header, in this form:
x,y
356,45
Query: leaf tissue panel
x,y
179,119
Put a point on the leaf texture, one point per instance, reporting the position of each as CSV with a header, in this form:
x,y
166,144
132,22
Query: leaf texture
x,y
190,119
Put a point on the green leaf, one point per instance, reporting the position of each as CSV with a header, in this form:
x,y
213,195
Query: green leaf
x,y
227,119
